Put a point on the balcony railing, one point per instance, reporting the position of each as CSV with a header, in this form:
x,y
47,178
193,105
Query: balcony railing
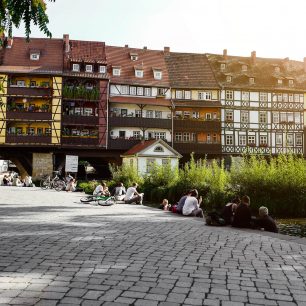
x,y
122,143
30,91
197,124
197,147
28,139
80,140
86,120
23,115
140,122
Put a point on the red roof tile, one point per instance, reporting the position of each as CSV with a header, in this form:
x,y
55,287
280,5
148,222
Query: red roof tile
x,y
148,59
51,55
139,147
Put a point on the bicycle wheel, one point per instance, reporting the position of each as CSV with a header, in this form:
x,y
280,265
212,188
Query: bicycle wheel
x,y
87,199
44,184
59,185
110,201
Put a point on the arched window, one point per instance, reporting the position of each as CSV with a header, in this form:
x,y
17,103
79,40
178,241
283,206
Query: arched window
x,y
158,149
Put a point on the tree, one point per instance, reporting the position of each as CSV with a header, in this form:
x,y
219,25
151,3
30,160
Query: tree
x,y
15,12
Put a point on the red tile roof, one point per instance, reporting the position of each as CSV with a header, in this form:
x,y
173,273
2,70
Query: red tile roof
x,y
148,59
87,51
51,55
190,70
139,147
136,100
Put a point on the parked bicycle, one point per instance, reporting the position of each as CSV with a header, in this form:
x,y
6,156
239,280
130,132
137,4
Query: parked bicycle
x,y
99,200
56,182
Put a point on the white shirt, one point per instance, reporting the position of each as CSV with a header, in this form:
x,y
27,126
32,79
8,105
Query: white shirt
x,y
130,193
190,205
98,189
119,191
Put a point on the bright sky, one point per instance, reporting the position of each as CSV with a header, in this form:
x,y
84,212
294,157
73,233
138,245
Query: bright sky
x,y
274,28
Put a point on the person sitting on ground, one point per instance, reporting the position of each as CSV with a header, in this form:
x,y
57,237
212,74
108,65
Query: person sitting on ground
x,y
229,211
71,186
101,190
243,216
266,222
119,192
28,182
18,182
192,205
181,202
132,195
6,181
165,205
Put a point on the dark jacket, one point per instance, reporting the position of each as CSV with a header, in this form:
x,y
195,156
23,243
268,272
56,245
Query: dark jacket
x,y
267,223
242,217
227,213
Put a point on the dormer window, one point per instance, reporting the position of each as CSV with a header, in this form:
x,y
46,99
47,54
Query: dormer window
x,y
102,69
291,83
116,71
277,69
228,79
279,81
34,56
76,67
134,56
244,68
157,74
222,67
88,68
252,81
138,73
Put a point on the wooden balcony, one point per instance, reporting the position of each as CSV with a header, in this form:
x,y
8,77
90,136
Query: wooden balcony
x,y
80,141
28,139
122,143
140,122
197,125
197,148
30,91
80,120
31,116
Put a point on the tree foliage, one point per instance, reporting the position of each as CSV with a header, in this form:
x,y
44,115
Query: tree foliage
x,y
16,12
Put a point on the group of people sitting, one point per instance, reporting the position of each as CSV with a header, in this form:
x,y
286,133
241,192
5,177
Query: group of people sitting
x,y
237,213
129,196
16,180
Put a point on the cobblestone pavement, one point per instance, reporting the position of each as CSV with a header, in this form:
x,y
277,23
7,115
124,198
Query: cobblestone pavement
x,y
56,251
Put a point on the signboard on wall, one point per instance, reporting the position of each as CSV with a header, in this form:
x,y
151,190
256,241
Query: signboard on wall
x,y
71,164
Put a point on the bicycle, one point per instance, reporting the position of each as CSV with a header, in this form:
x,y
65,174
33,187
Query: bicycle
x,y
99,200
56,183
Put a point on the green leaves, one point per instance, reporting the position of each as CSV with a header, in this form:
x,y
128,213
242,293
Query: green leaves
x,y
15,12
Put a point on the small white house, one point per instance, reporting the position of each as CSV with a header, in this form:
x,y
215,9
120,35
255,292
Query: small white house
x,y
148,152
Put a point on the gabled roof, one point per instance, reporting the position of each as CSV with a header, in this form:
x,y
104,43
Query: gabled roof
x,y
190,70
17,57
148,59
261,69
143,145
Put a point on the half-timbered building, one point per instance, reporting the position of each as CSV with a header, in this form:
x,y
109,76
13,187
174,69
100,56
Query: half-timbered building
x,y
262,104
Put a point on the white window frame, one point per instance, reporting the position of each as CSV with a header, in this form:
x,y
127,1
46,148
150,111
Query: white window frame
x,y
229,94
187,94
245,96
158,75
160,135
149,113
251,139
149,164
278,139
178,136
242,140
229,140
229,115
279,81
244,68
136,134
138,113
138,73
275,117
125,90
102,69
222,66
263,117
88,68
76,67
290,140
34,56
204,95
133,90
87,111
178,94
251,81
244,117
147,92
263,139
158,114
263,97
116,71
139,91
228,79
298,140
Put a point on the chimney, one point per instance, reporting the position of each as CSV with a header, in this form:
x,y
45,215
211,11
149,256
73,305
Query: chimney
x,y
9,43
145,48
225,54
253,57
126,46
305,64
66,42
167,50
286,63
